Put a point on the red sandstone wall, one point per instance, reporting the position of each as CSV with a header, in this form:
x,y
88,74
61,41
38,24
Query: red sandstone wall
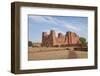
x,y
51,39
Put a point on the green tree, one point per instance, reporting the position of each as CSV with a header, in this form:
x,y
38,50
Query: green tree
x,y
83,40
29,43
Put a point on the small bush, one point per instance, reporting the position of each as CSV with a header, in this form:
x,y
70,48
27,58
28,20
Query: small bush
x,y
30,43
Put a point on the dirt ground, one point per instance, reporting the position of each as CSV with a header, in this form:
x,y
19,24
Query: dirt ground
x,y
54,53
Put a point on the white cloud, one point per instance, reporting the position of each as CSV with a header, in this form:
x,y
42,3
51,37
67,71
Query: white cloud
x,y
50,19
43,19
63,23
38,18
71,27
55,21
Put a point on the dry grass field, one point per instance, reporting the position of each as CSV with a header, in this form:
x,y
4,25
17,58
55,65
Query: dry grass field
x,y
44,53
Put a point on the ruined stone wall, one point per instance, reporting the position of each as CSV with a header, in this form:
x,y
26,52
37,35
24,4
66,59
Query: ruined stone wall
x,y
50,40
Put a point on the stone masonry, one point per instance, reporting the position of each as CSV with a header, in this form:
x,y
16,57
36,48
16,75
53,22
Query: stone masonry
x,y
50,40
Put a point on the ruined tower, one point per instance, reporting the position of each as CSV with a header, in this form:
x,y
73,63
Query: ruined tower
x,y
44,38
52,38
48,40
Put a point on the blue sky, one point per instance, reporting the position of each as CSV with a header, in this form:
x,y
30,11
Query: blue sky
x,y
38,24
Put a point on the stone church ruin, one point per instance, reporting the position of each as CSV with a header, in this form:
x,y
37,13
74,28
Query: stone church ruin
x,y
50,40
